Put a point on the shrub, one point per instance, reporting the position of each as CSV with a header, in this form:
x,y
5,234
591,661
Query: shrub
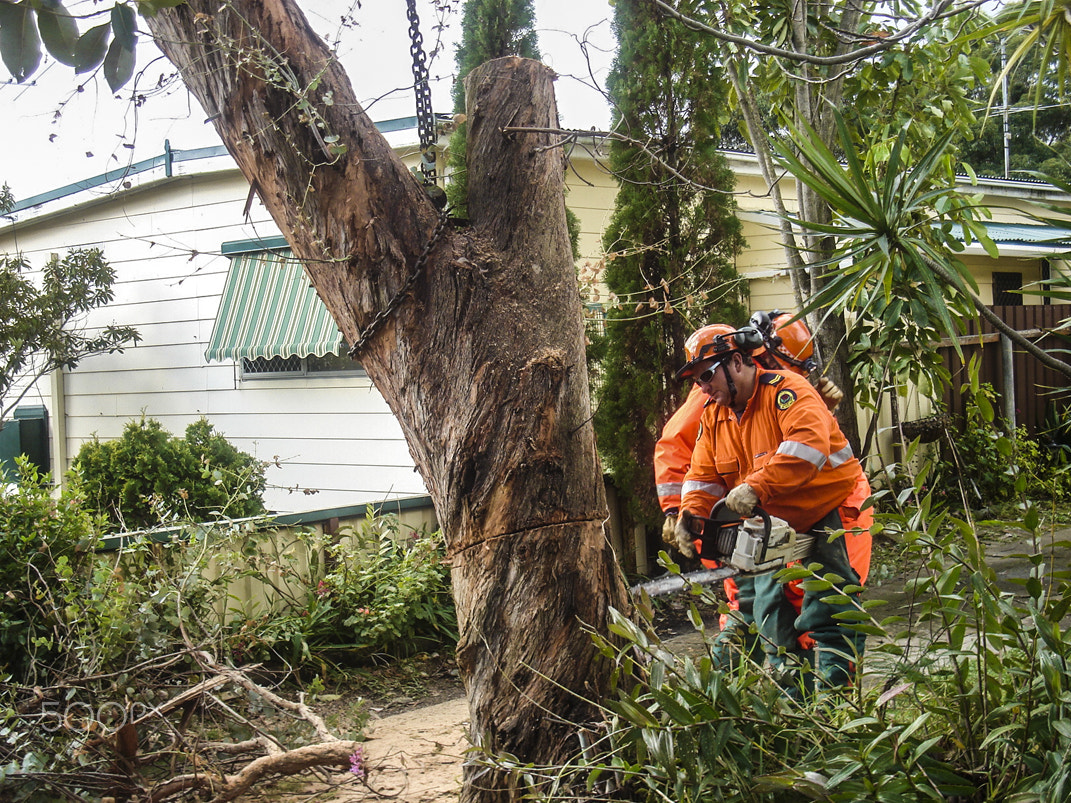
x,y
391,590
385,592
983,468
44,542
148,477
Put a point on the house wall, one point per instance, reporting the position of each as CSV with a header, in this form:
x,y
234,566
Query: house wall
x,y
332,441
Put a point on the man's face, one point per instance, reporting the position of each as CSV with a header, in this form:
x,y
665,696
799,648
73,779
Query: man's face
x,y
710,376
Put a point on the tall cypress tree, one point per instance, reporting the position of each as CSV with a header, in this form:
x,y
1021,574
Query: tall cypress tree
x,y
490,29
670,246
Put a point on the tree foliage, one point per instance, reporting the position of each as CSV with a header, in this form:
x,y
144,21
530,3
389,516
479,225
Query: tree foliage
x,y
109,46
670,245
1046,42
39,319
1038,125
491,29
901,76
894,223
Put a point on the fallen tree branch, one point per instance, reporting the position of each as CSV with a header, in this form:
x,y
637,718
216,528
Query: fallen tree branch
x,y
239,678
229,787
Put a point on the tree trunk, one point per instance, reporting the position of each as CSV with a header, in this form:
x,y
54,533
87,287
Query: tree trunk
x,y
817,98
482,362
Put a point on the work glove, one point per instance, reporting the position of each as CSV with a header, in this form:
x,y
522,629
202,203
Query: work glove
x,y
683,538
742,500
831,394
669,530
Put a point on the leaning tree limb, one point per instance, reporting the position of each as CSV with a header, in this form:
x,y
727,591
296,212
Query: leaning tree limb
x,y
999,324
482,361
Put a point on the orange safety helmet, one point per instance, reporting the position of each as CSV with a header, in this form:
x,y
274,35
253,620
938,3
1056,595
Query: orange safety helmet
x,y
786,341
719,340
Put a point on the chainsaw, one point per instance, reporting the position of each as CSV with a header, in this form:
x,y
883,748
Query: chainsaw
x,y
753,545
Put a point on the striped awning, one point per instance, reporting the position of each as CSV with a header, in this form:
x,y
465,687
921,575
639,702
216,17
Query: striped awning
x,y
269,309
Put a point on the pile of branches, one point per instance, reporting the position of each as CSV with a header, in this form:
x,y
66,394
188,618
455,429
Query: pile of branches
x,y
181,727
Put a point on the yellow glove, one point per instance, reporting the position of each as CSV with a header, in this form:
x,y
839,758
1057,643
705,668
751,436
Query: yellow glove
x,y
684,540
669,530
831,394
742,499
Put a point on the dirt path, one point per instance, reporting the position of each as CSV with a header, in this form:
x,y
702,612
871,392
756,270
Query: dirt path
x,y
416,757
411,757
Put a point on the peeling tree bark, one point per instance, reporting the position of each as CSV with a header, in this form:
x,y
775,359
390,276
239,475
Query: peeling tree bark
x,y
483,365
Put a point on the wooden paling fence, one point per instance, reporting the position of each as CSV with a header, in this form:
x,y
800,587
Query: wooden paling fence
x,y
1026,390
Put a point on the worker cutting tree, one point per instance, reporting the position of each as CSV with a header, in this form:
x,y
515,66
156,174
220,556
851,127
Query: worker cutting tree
x,y
762,435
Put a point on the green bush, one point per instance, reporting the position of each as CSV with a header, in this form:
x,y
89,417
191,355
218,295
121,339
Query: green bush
x,y
147,477
982,468
391,591
44,542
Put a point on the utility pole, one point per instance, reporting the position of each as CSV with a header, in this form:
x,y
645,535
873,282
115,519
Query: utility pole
x,y
1004,108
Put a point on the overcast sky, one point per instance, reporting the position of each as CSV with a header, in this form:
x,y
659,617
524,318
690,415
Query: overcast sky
x,y
58,135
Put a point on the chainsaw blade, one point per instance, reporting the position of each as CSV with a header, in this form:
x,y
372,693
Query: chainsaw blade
x,y
672,583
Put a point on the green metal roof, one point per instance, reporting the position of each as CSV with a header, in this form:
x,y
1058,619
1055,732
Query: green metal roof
x,y
269,309
1029,233
1046,238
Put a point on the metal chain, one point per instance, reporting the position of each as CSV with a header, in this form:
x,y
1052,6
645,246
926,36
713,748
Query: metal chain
x,y
418,268
425,116
426,132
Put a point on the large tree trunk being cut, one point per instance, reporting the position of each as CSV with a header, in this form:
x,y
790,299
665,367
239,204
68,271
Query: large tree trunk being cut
x,y
483,364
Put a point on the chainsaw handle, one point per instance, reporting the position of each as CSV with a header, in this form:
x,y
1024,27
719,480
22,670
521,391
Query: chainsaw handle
x,y
720,514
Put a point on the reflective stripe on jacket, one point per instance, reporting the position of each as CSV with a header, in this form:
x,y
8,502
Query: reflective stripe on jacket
x,y
673,451
785,445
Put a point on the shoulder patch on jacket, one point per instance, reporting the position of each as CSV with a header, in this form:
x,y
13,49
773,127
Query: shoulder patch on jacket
x,y
785,398
771,379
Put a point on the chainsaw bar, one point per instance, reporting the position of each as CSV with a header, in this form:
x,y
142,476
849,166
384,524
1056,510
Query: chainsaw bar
x,y
672,583
761,543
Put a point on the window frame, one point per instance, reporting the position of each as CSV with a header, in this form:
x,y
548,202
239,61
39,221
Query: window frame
x,y
304,372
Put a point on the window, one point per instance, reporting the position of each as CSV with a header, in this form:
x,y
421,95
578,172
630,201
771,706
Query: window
x,y
1005,287
313,365
270,319
594,319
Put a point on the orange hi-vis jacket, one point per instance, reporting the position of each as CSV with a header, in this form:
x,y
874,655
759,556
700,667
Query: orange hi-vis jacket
x,y
673,451
785,445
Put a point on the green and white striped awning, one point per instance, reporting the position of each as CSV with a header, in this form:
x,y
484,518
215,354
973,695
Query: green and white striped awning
x,y
269,309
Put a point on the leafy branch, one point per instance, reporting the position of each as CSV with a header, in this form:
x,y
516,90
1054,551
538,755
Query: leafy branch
x,y
27,25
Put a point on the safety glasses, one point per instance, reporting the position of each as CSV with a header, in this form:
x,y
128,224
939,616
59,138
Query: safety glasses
x,y
708,374
705,377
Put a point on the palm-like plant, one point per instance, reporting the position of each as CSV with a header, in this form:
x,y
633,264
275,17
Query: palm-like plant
x,y
1047,24
897,228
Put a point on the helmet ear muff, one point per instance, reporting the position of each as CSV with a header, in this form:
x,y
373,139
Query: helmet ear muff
x,y
748,339
761,321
